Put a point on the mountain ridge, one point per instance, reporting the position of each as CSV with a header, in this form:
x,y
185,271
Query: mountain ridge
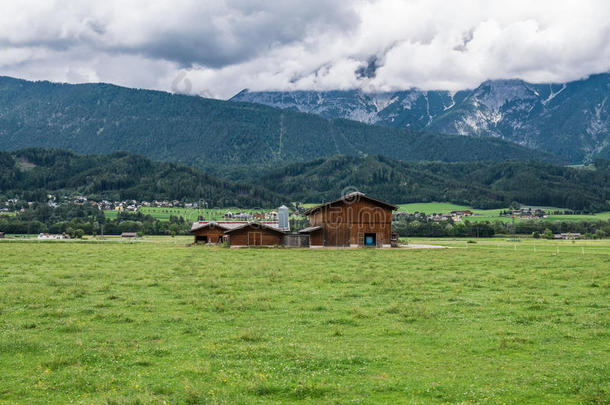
x,y
569,119
211,134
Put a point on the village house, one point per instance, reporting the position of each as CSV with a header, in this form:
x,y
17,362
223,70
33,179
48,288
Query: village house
x,y
439,217
568,236
464,213
526,213
400,215
46,236
353,220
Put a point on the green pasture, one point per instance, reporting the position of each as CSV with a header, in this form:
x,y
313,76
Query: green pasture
x,y
156,321
494,214
190,214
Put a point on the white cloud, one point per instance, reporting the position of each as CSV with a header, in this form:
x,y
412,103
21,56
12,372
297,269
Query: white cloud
x,y
224,46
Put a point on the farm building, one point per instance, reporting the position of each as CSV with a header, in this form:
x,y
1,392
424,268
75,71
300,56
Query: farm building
x,y
351,221
255,234
221,231
45,236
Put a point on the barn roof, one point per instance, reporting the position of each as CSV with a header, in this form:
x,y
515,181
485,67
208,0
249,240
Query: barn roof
x,y
347,198
224,225
310,229
272,227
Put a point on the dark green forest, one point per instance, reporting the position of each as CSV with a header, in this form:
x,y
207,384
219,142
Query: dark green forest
x,y
31,174
481,184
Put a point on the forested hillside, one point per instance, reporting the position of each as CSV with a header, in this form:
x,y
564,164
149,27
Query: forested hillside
x,y
211,134
33,173
482,185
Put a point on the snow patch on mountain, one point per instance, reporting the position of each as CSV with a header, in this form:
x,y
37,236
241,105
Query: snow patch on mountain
x,y
566,118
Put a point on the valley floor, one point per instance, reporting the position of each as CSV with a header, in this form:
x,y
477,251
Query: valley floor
x,y
494,321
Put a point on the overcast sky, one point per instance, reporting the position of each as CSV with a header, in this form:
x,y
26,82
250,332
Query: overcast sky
x,y
216,48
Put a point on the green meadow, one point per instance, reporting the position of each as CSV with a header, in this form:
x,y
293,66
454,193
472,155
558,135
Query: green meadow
x,y
157,321
494,214
189,214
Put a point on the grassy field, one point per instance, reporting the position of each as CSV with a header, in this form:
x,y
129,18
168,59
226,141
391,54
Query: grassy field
x,y
494,214
189,214
156,321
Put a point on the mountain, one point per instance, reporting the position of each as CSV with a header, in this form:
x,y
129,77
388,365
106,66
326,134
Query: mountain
x,y
479,184
569,119
33,173
211,134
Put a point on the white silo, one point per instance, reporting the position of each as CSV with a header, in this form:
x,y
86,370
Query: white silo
x,y
282,214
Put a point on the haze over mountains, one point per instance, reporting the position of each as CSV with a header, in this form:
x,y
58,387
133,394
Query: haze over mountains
x,y
211,134
568,119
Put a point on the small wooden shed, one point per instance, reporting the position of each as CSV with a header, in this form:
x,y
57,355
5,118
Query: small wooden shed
x,y
255,234
316,235
212,232
216,232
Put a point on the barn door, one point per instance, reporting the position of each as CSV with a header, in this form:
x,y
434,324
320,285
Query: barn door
x,y
255,239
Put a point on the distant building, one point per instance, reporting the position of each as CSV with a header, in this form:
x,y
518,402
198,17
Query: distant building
x,y
46,236
1,235
464,213
401,214
568,235
528,213
129,235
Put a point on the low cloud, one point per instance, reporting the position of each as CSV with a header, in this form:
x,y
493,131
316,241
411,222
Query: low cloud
x,y
221,47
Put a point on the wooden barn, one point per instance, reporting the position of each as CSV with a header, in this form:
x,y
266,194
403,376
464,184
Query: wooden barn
x,y
255,234
353,220
212,232
238,233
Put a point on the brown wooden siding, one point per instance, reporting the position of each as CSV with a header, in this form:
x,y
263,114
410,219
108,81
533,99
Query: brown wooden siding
x,y
212,234
345,224
255,236
316,238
